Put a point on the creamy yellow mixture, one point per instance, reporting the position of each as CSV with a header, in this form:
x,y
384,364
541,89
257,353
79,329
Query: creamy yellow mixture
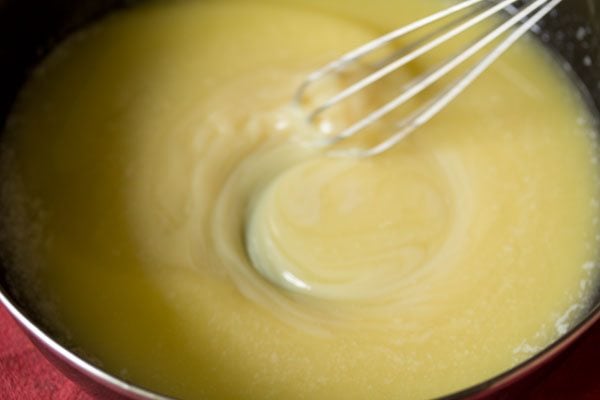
x,y
157,199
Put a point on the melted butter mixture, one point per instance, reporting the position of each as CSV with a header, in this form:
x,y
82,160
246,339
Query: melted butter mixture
x,y
184,242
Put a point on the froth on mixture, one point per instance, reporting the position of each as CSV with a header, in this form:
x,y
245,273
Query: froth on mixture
x,y
156,202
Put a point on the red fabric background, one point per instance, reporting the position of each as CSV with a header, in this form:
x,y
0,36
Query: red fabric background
x,y
26,375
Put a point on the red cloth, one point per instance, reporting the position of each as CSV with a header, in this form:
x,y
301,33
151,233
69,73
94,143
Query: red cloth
x,y
24,372
26,375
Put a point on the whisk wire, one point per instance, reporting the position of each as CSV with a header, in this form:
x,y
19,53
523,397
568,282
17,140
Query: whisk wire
x,y
432,108
522,21
379,42
418,52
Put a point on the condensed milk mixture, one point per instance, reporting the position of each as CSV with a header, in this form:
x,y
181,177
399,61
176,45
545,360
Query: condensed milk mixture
x,y
173,231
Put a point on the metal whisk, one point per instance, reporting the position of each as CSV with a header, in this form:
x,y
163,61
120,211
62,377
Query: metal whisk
x,y
523,15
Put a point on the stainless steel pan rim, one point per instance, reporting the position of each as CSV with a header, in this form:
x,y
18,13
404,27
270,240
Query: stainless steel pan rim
x,y
60,353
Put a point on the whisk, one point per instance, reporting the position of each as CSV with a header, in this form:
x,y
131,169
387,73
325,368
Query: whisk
x,y
523,16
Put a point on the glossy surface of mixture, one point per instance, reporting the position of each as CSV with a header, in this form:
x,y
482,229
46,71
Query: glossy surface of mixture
x,y
176,235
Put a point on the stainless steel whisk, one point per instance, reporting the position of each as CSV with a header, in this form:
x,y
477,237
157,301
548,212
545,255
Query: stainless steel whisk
x,y
524,15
